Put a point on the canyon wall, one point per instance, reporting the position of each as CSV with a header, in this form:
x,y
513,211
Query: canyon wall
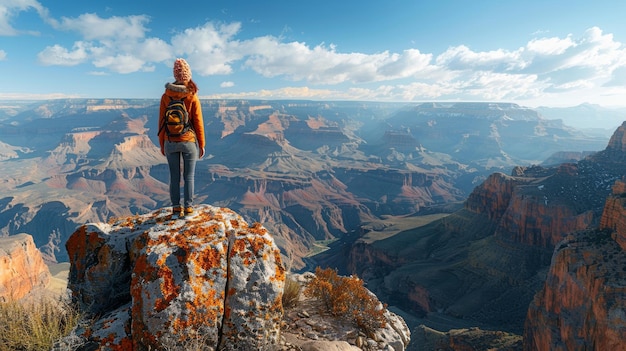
x,y
22,268
582,305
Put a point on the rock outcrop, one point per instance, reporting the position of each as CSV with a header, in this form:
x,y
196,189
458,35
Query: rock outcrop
x,y
307,326
22,268
582,305
614,215
156,281
208,281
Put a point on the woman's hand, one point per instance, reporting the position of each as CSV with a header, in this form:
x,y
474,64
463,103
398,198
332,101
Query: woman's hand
x,y
201,152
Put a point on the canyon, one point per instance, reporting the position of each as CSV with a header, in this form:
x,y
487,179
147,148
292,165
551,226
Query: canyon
x,y
548,237
332,181
311,171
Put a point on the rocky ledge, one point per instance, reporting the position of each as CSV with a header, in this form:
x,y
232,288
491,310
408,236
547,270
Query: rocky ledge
x,y
208,281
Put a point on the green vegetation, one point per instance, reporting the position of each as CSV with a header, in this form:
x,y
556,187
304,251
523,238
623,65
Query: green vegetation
x,y
320,246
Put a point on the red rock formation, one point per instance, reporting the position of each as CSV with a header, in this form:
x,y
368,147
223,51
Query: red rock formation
x,y
159,281
583,303
22,268
617,143
614,215
534,221
526,209
492,197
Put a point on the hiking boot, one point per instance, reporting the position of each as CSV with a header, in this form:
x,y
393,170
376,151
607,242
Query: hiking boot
x,y
188,210
178,211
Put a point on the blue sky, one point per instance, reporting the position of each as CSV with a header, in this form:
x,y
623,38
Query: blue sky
x,y
535,53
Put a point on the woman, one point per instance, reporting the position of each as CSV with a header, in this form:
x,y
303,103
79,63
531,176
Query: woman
x,y
189,145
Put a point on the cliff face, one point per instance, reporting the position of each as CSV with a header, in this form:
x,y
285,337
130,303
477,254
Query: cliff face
x,y
614,215
22,268
582,305
486,262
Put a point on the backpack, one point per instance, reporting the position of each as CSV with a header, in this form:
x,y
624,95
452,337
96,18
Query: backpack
x,y
176,118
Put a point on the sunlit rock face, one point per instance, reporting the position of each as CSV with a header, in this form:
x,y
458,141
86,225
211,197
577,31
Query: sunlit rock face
x,y
582,305
614,215
22,268
163,282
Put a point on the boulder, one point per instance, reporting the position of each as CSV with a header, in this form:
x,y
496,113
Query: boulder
x,y
155,281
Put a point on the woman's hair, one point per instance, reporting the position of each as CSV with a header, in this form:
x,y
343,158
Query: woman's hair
x,y
191,86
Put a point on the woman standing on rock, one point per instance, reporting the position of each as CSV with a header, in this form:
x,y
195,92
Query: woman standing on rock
x,y
181,134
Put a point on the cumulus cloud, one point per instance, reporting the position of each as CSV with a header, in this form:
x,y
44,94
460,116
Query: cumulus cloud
x,y
92,26
324,65
117,44
542,65
462,58
10,9
58,55
210,49
550,46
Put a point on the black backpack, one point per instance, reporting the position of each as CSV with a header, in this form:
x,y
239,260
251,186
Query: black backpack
x,y
175,118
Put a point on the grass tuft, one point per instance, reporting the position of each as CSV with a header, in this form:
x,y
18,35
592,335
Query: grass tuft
x,y
291,293
35,325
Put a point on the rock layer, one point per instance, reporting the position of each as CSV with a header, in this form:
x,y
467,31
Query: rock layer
x,y
22,268
582,305
161,282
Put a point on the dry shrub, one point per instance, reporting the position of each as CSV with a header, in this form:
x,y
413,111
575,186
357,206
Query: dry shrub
x,y
346,297
291,293
35,325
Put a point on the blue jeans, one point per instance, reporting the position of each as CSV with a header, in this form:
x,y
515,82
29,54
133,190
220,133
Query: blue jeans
x,y
189,153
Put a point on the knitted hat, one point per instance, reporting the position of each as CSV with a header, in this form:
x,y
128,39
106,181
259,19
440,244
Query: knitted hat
x,y
182,72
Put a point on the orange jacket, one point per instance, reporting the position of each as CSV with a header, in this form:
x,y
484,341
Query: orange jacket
x,y
192,102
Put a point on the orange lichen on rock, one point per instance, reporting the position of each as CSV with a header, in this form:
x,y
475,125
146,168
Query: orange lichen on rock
x,y
202,275
79,245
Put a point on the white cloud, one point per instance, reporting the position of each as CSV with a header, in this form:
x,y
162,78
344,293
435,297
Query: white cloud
x,y
58,55
324,65
11,8
3,55
209,49
550,46
462,58
93,27
618,78
540,66
120,63
29,96
284,93
117,44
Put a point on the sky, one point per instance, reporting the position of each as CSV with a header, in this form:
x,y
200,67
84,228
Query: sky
x,y
532,52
